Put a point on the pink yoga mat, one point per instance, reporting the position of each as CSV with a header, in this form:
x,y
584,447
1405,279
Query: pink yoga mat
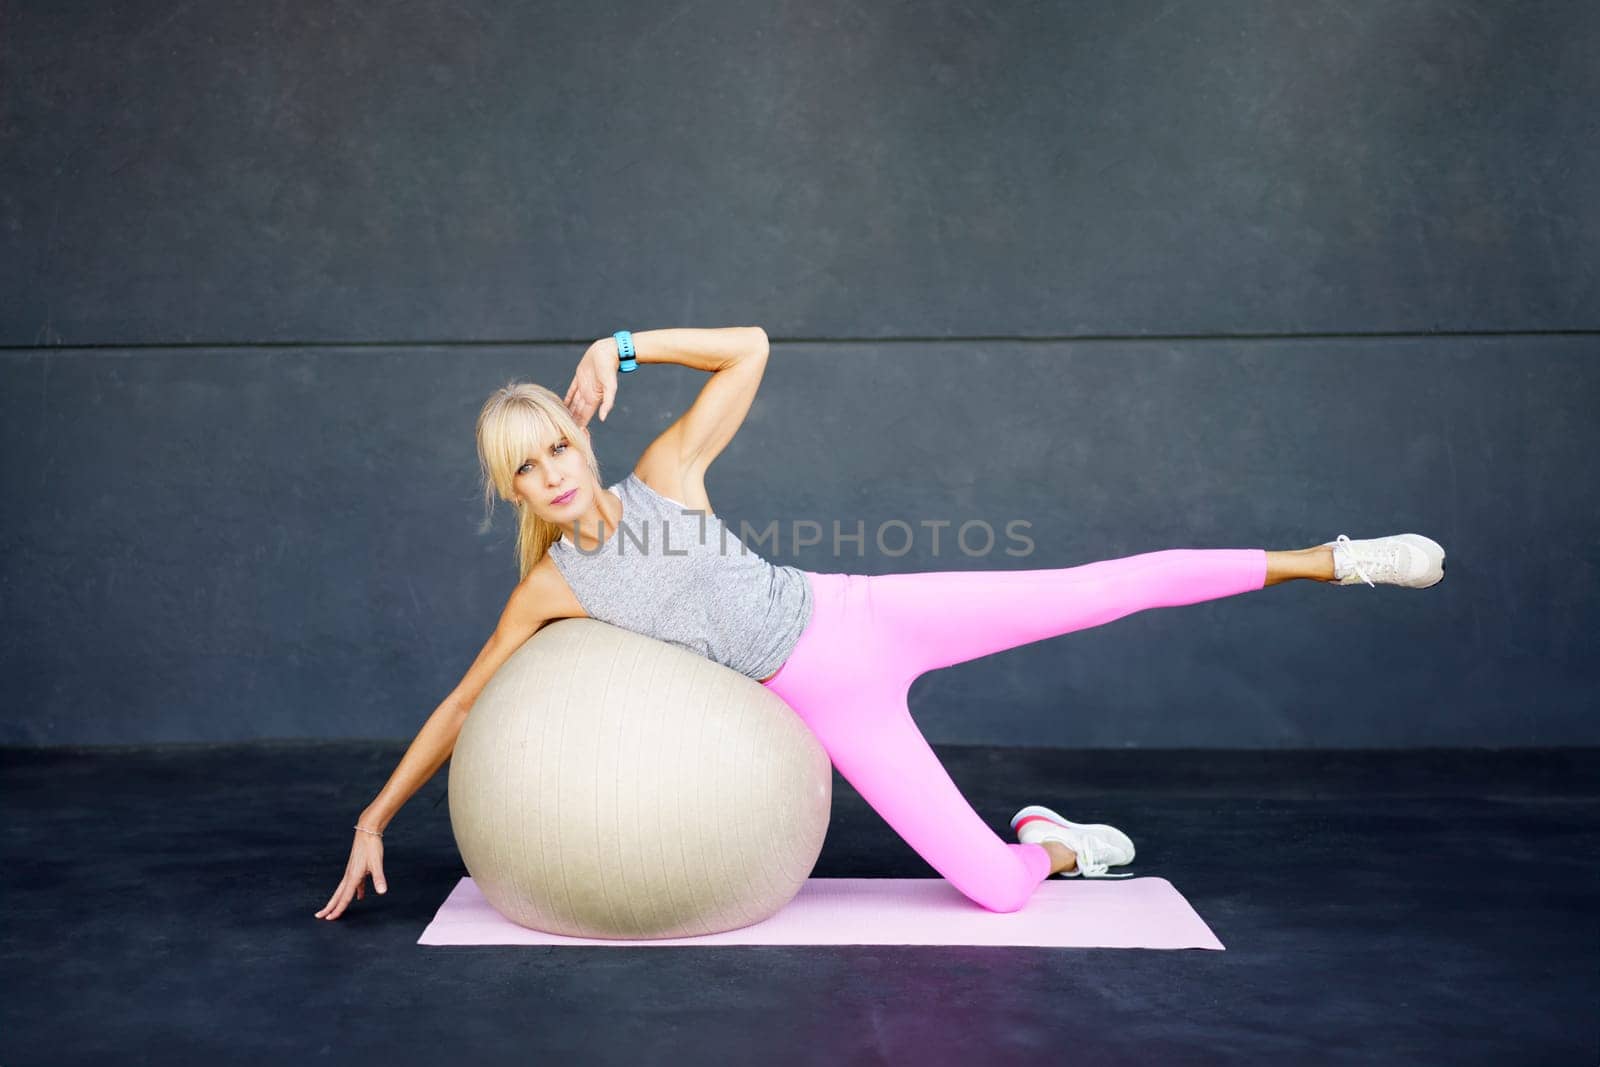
x,y
1062,913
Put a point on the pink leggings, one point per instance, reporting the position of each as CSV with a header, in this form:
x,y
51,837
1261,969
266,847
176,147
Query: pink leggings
x,y
871,636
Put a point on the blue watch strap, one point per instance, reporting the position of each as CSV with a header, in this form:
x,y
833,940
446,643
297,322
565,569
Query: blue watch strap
x,y
625,353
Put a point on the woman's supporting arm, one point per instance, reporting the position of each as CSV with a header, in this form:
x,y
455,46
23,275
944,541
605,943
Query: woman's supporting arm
x,y
525,612
427,753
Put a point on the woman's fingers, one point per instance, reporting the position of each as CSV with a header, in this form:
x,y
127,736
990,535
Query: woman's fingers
x,y
344,900
366,857
579,396
331,909
345,894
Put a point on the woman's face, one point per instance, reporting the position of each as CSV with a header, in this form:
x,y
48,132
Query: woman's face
x,y
560,471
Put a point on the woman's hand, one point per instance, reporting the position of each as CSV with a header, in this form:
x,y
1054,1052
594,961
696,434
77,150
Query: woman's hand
x,y
366,855
594,385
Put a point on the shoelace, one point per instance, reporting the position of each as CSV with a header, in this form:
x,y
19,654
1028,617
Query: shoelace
x,y
1091,860
1384,558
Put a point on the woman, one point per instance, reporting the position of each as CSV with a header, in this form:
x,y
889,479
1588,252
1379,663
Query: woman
x,y
841,649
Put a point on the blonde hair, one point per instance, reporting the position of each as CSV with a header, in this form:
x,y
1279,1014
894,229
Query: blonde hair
x,y
519,420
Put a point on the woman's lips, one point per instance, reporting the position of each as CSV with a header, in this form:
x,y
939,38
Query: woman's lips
x,y
564,498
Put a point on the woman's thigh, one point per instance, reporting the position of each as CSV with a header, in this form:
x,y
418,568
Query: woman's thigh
x,y
861,718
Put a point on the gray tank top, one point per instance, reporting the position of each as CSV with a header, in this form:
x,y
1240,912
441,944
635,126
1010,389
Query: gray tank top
x,y
678,574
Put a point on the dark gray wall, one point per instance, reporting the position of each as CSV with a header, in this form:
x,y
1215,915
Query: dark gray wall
x,y
1144,276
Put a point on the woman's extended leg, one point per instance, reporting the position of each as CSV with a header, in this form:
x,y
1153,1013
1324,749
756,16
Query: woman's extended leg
x,y
935,619
1315,563
870,636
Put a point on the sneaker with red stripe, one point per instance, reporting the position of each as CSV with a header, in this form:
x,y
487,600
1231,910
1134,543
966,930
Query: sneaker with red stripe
x,y
1098,846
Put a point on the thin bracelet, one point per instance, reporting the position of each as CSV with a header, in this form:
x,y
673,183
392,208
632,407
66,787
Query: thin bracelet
x,y
374,833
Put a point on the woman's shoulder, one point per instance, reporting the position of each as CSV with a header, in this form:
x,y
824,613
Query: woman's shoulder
x,y
683,488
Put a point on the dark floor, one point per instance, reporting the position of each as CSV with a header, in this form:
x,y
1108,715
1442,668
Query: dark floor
x,y
1433,907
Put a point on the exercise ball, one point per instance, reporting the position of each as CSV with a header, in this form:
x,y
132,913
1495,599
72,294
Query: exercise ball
x,y
607,784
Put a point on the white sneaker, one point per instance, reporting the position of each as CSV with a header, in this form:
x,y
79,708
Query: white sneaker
x,y
1098,846
1406,559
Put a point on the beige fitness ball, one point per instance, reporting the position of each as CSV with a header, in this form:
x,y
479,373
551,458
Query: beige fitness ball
x,y
607,784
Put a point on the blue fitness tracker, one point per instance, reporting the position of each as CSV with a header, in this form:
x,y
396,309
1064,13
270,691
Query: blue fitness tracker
x,y
626,361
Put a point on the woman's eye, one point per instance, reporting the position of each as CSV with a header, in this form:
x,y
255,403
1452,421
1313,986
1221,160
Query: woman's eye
x,y
557,448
